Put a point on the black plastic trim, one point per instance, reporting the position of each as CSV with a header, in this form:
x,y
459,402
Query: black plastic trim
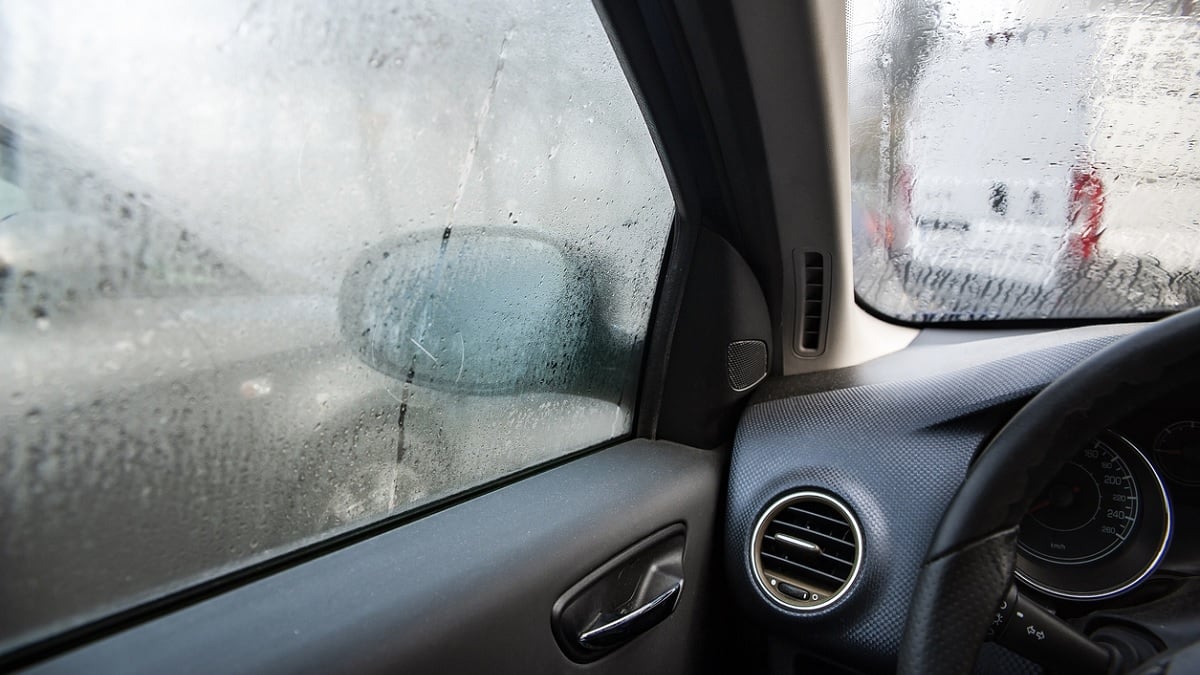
x,y
722,304
664,317
685,68
1009,324
688,70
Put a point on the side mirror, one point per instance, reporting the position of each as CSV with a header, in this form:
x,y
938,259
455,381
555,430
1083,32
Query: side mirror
x,y
483,311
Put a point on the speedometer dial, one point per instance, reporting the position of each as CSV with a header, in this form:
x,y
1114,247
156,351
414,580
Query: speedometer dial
x,y
1086,513
1100,528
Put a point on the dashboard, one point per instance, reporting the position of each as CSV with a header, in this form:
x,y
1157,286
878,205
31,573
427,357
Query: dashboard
x,y
891,441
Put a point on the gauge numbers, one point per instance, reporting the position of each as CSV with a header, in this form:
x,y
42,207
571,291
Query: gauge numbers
x,y
1100,528
1087,512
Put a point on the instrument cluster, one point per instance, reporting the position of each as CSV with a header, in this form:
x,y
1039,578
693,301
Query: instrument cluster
x,y
1106,522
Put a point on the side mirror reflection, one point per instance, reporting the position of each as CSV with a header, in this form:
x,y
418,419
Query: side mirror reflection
x,y
481,311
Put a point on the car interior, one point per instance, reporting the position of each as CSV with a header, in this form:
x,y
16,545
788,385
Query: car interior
x,y
806,484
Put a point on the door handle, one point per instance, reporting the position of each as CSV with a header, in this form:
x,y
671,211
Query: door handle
x,y
617,630
630,594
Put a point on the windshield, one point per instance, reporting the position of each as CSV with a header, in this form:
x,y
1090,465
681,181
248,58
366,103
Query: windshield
x,y
1025,160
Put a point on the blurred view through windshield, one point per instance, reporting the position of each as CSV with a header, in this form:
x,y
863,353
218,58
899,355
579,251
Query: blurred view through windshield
x,y
1025,160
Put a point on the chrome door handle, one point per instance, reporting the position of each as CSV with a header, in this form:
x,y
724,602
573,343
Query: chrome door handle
x,y
625,597
615,630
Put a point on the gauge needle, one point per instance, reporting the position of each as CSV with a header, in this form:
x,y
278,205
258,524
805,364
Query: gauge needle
x,y
1039,506
1047,502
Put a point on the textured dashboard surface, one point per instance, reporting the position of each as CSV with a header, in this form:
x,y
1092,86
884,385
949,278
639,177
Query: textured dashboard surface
x,y
893,438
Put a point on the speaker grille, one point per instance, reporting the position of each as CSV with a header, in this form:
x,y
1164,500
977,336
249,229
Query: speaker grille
x,y
746,362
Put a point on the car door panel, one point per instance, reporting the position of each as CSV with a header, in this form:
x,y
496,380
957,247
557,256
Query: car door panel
x,y
465,589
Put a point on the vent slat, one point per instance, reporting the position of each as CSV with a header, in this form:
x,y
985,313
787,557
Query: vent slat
x,y
845,556
839,531
827,537
811,570
827,565
823,554
807,512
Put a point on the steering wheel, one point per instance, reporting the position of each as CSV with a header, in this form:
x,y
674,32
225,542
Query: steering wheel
x,y
968,568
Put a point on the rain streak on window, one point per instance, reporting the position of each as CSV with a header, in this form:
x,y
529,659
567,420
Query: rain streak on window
x,y
273,270
1025,159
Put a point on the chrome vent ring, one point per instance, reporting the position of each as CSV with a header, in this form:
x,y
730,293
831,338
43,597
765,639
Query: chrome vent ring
x,y
807,550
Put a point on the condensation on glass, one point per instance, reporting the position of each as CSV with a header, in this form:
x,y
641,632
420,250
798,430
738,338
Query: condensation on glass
x,y
272,270
1025,160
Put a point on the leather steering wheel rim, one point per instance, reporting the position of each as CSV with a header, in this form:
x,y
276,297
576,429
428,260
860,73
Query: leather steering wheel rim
x,y
970,560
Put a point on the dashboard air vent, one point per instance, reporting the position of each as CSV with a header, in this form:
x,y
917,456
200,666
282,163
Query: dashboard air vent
x,y
813,296
807,549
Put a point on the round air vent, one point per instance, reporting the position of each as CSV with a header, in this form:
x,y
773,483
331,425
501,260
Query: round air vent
x,y
806,549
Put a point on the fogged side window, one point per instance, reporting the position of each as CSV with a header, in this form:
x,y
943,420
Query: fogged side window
x,y
1025,160
273,270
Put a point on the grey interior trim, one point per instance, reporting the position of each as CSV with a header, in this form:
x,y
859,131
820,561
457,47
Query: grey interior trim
x,y
468,589
800,90
952,336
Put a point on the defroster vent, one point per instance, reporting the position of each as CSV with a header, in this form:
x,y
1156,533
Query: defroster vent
x,y
812,288
807,549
